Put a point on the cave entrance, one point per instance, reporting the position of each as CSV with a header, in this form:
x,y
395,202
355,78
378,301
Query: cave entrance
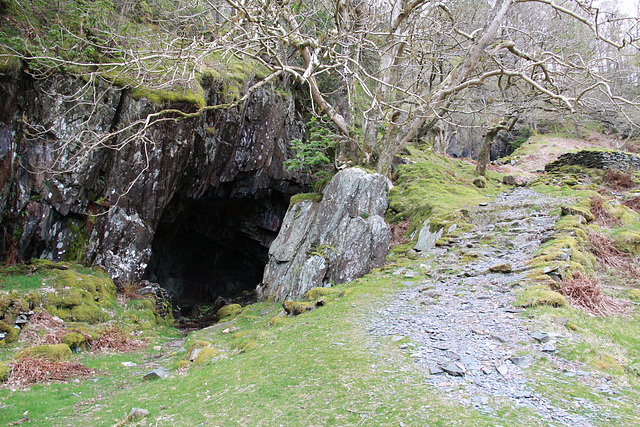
x,y
213,249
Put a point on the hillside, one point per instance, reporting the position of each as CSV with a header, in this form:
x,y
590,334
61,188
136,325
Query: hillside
x,y
525,312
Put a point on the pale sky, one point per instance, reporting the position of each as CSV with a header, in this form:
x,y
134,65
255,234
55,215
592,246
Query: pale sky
x,y
630,7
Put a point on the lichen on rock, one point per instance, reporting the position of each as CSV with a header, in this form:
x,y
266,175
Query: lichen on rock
x,y
358,242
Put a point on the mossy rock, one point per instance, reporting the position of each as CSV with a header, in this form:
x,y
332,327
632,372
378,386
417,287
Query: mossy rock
x,y
13,302
45,264
55,352
62,313
582,211
542,295
231,310
205,356
625,214
76,341
551,298
569,222
89,314
551,256
102,289
69,298
142,304
195,349
11,332
480,182
628,241
295,308
5,371
320,292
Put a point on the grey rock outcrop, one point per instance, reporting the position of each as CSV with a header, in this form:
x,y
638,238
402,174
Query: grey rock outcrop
x,y
335,240
426,238
107,205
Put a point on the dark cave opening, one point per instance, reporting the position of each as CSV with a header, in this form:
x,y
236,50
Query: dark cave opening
x,y
214,248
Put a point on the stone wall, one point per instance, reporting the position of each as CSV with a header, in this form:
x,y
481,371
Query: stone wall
x,y
597,159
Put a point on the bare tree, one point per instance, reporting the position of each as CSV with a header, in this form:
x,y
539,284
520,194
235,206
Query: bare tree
x,y
382,71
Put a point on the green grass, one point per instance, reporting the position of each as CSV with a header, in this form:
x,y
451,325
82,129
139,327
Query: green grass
x,y
319,368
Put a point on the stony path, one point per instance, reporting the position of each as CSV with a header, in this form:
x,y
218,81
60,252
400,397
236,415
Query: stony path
x,y
462,326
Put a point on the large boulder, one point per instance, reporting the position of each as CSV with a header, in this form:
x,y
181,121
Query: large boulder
x,y
336,240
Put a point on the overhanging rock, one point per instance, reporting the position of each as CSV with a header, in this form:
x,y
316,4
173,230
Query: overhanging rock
x,y
336,240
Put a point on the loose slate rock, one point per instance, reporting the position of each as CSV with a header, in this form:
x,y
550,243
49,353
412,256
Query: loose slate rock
x,y
453,370
157,374
522,394
548,347
522,361
561,320
541,337
501,268
137,413
435,370
470,363
502,370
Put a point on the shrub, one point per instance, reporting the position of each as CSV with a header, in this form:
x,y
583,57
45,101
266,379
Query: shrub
x,y
618,180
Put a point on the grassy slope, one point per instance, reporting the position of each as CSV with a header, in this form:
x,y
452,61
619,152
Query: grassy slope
x,y
323,367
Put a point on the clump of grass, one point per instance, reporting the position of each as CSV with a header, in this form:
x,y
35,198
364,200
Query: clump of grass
x,y
585,292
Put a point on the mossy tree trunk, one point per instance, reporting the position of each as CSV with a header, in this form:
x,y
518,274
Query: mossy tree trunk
x,y
507,123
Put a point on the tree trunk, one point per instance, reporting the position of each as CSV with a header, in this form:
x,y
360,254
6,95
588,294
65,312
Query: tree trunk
x,y
485,151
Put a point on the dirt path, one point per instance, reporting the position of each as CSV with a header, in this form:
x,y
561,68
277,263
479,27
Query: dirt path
x,y
464,331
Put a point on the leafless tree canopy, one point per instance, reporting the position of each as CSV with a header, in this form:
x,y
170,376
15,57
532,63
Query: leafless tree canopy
x,y
381,70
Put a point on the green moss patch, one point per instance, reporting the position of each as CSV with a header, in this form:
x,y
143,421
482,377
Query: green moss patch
x,y
228,311
314,197
540,295
205,356
55,352
4,372
76,341
628,241
327,294
437,188
11,333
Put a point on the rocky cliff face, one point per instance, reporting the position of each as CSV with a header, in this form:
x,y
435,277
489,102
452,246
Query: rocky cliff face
x,y
217,179
335,240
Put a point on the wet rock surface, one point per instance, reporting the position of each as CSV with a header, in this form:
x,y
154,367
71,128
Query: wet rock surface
x,y
463,329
